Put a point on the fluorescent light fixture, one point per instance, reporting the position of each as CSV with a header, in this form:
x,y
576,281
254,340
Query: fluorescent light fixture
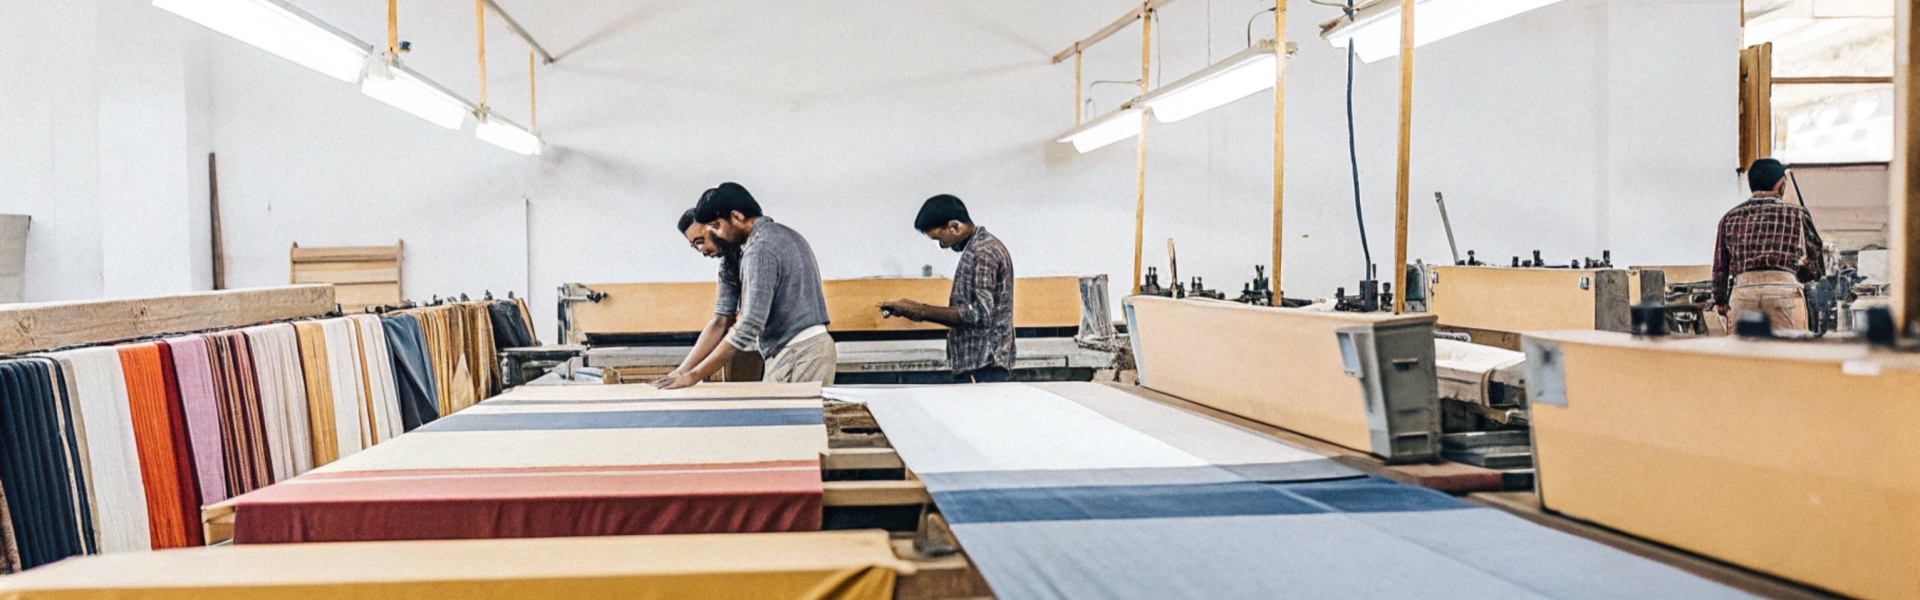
x,y
1244,74
1105,129
401,88
503,133
281,29
1374,31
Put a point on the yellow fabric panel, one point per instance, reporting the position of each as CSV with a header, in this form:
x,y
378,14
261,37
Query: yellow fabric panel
x,y
1279,366
1795,459
313,365
857,565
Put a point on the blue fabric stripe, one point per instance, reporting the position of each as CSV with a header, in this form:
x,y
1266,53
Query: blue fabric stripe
x,y
630,419
1242,498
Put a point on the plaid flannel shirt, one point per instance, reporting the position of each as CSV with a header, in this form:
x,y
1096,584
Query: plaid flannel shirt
x,y
983,294
1765,234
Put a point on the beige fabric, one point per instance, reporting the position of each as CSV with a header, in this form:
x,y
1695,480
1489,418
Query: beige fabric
x,y
811,360
1776,294
1466,369
858,565
641,391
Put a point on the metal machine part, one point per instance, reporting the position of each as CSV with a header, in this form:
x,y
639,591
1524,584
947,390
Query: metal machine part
x,y
571,294
1397,377
1260,291
1151,287
1448,225
1200,291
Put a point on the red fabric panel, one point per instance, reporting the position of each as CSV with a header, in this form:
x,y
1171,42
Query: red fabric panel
x,y
187,472
543,502
149,391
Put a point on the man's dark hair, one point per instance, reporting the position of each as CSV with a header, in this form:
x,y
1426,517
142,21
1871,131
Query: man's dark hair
x,y
686,220
1764,174
938,211
721,202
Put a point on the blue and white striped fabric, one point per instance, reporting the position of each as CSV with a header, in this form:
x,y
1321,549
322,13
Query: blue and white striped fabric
x,y
1086,491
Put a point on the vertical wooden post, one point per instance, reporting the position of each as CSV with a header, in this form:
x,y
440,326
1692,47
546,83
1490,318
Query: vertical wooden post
x,y
480,29
1279,139
1905,225
1403,187
393,29
213,206
1140,190
1079,103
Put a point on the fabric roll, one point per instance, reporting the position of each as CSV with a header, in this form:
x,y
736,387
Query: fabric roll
x,y
482,355
319,381
283,397
113,460
160,437
353,423
509,329
419,399
383,395
37,467
64,383
192,365
9,548
249,466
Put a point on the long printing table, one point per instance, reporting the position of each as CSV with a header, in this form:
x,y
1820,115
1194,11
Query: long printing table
x,y
547,461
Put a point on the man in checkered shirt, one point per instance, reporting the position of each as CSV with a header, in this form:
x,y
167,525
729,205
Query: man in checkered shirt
x,y
1765,250
979,312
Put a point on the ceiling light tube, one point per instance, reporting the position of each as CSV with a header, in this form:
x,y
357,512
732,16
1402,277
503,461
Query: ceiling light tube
x,y
1374,31
281,29
505,134
1244,74
406,90
1104,130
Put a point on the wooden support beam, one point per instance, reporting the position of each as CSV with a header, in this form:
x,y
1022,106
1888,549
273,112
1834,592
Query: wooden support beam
x,y
1904,228
1079,103
1279,140
219,236
49,325
1140,164
877,493
521,32
1402,187
854,459
1110,29
216,522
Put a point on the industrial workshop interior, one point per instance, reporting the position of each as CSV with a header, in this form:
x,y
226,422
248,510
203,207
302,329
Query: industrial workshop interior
x,y
959,300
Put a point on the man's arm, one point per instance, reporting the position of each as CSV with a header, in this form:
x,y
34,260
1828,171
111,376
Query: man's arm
x,y
974,312
721,355
1720,266
709,339
1816,248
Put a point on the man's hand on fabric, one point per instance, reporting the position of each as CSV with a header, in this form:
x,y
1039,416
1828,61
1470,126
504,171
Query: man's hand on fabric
x,y
682,381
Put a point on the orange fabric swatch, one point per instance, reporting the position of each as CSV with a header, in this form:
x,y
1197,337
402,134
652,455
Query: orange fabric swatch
x,y
159,433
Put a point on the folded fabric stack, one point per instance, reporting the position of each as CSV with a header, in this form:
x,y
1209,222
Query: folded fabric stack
x,y
569,461
117,448
1085,491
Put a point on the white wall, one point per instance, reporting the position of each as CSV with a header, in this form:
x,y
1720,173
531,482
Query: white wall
x,y
104,107
1584,126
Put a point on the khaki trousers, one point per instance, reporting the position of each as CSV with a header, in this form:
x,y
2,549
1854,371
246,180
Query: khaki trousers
x,y
1776,294
812,359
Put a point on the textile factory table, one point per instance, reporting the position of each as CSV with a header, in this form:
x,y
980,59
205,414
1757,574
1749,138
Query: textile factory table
x,y
822,566
893,361
567,461
1085,491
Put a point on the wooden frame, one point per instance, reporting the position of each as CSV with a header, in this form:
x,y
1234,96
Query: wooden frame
x,y
1756,104
45,326
362,275
1904,226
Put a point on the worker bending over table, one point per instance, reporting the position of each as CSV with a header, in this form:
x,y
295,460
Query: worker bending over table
x,y
1765,250
776,295
979,311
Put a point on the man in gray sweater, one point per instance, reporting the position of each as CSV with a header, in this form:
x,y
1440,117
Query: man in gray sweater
x,y
781,309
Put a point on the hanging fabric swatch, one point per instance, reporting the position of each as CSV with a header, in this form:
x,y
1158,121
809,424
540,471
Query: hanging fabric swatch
x,y
9,549
113,461
419,399
509,328
316,373
243,428
482,359
40,465
160,436
201,404
377,372
352,416
65,386
526,317
283,397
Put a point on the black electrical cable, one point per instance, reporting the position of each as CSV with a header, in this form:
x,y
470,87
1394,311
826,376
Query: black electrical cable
x,y
1353,159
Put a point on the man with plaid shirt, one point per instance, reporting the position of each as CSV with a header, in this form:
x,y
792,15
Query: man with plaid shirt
x,y
979,311
1765,250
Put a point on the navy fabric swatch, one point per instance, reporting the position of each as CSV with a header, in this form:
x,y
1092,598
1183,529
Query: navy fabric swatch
x,y
412,373
1119,502
509,326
